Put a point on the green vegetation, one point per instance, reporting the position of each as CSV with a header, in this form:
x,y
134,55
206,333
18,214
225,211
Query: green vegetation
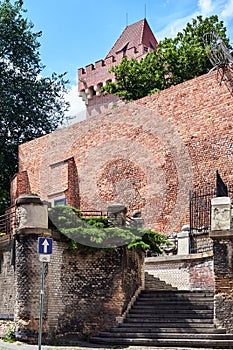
x,y
10,336
94,233
175,61
30,105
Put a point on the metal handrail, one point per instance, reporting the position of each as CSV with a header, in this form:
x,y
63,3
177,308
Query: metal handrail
x,y
87,213
7,223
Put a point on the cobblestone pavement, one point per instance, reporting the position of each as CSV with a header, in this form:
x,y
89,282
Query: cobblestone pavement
x,y
86,346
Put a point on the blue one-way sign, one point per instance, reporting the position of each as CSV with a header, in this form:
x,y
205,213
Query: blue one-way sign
x,y
45,245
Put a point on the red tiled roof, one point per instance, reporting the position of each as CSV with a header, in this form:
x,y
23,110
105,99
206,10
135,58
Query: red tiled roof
x,y
136,34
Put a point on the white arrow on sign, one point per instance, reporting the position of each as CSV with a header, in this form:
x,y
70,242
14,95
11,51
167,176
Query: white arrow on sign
x,y
45,244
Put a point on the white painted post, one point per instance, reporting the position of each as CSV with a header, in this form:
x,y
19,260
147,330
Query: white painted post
x,y
220,213
183,241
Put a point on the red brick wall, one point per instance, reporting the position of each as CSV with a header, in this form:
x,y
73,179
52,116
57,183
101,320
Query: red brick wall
x,y
83,292
146,155
72,192
19,185
190,272
102,104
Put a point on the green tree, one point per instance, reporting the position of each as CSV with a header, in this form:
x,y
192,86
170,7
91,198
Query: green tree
x,y
30,105
175,61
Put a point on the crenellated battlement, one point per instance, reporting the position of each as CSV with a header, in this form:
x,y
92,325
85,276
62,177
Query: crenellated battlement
x,y
94,76
135,42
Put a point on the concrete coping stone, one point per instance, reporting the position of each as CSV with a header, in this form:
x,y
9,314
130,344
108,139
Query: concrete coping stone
x,y
43,232
220,201
116,208
28,199
178,258
219,234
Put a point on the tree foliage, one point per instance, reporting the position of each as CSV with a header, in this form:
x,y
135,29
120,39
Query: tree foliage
x,y
175,61
93,233
30,105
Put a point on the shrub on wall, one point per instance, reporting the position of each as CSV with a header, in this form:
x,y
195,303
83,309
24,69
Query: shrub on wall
x,y
93,233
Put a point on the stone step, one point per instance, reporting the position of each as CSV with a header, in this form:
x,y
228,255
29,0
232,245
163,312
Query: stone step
x,y
175,294
170,316
160,330
152,282
185,291
172,312
188,343
180,322
160,335
157,288
175,301
139,323
165,317
166,307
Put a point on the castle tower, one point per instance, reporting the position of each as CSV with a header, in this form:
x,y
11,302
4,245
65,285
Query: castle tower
x,y
135,41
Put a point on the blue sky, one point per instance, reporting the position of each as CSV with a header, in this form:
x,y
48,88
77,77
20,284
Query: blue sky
x,y
77,32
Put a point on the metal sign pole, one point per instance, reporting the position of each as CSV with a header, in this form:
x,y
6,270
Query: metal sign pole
x,y
41,305
44,250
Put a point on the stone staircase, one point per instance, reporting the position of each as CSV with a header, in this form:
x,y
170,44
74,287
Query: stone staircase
x,y
154,283
163,316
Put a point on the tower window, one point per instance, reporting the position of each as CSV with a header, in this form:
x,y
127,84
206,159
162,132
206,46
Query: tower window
x,y
125,49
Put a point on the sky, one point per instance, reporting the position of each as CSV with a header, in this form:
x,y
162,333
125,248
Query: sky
x,y
76,33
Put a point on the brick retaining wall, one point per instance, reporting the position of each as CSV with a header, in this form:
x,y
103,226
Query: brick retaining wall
x,y
84,293
191,272
223,272
7,280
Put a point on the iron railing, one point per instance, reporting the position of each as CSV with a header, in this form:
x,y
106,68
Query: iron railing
x,y
7,224
200,219
200,209
88,213
200,214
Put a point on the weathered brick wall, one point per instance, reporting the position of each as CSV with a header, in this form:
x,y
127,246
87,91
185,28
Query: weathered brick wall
x,y
7,287
79,287
193,272
90,286
28,272
223,271
202,243
102,104
147,154
19,182
7,280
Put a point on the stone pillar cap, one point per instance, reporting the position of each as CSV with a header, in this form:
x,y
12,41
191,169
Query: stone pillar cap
x,y
27,199
220,200
116,208
185,228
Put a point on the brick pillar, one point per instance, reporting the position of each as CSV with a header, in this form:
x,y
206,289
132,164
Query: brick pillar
x,y
223,275
32,221
222,235
72,193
